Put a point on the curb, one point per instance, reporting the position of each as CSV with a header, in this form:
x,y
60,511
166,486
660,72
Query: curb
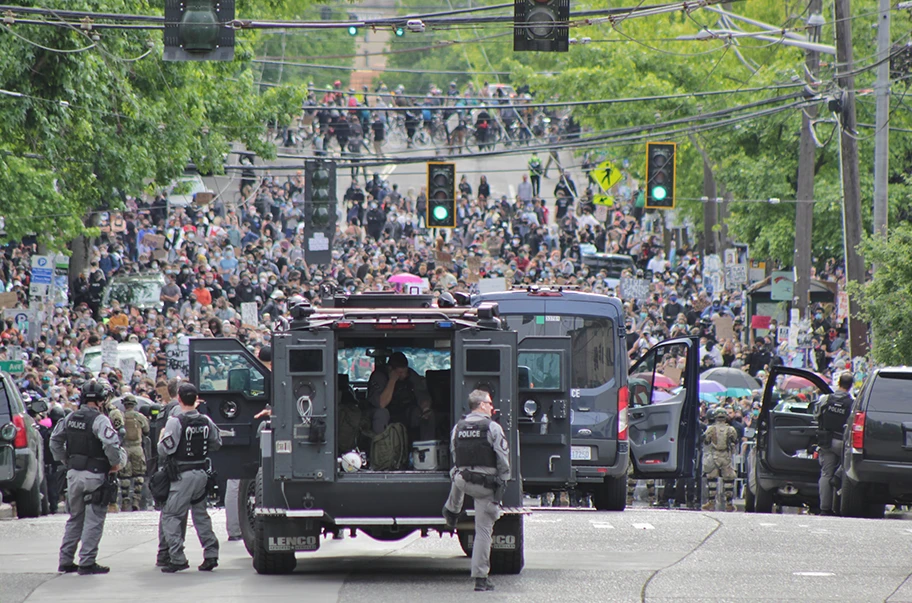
x,y
6,511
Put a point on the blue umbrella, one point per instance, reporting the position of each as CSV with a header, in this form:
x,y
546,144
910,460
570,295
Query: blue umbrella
x,y
737,392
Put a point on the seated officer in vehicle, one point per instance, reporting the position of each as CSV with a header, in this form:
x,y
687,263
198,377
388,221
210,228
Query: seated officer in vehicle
x,y
400,395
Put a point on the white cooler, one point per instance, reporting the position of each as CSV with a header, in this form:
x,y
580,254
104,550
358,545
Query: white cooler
x,y
430,455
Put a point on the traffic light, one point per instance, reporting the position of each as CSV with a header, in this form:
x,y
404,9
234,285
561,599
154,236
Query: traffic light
x,y
319,210
400,31
352,30
541,25
199,30
441,206
660,175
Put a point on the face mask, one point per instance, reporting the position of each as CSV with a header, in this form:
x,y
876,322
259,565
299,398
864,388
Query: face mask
x,y
755,412
818,316
642,315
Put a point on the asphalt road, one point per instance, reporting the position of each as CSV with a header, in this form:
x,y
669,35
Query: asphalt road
x,y
571,555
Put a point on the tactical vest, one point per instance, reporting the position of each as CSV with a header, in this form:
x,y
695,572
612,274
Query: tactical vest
x,y
85,451
719,438
835,411
133,427
194,441
472,446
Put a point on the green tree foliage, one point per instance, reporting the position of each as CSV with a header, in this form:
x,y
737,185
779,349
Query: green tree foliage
x,y
83,129
884,300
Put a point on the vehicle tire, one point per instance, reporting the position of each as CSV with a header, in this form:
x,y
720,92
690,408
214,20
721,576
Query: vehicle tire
x,y
749,501
265,562
853,500
512,561
875,511
611,495
246,506
763,501
463,536
28,502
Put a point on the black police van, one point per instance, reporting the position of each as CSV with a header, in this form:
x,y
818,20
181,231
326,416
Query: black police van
x,y
302,486
781,467
586,449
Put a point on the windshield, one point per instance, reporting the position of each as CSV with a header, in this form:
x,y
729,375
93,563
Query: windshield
x,y
135,292
592,344
356,363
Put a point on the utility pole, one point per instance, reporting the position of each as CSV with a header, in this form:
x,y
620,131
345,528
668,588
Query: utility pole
x,y
881,120
851,185
807,154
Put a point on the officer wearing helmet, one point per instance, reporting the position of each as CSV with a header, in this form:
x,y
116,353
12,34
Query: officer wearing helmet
x,y
90,446
720,440
132,477
187,439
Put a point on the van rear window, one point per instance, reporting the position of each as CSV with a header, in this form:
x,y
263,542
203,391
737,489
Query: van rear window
x,y
890,393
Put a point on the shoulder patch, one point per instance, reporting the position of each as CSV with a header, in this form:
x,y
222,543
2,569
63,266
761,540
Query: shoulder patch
x,y
109,433
168,441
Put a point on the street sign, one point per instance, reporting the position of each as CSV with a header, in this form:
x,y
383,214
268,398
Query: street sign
x,y
607,175
41,261
12,366
42,276
606,200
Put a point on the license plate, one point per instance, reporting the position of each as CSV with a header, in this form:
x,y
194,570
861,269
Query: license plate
x,y
581,453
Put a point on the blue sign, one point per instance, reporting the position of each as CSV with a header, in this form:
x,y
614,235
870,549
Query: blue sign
x,y
42,261
42,276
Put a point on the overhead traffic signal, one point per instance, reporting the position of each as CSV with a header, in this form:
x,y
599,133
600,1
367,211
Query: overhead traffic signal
x,y
319,210
542,25
352,30
660,175
199,30
441,204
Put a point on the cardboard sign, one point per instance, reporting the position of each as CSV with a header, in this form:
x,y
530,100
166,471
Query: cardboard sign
x,y
782,334
634,288
109,352
153,241
783,286
492,285
249,314
724,327
127,367
8,300
178,360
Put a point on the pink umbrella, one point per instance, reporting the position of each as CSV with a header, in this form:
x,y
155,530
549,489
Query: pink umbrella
x,y
796,382
659,380
404,278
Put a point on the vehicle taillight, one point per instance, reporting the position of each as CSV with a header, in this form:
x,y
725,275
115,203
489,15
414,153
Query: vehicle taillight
x,y
623,397
858,426
21,440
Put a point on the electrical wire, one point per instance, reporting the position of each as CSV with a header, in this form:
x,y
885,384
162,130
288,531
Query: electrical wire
x,y
46,48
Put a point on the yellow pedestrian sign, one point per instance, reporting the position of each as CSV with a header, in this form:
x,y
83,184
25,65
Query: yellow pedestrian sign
x,y
607,175
607,200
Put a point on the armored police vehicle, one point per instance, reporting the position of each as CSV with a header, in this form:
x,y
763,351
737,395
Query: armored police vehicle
x,y
321,464
618,421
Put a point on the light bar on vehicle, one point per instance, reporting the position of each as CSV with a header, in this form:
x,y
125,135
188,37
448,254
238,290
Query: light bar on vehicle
x,y
394,326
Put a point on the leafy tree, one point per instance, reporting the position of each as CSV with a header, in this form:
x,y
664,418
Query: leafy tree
x,y
90,122
884,298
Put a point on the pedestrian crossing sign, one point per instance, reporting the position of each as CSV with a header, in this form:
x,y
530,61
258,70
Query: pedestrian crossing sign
x,y
606,200
607,175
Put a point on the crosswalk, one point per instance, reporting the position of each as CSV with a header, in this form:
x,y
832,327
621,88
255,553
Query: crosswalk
x,y
597,523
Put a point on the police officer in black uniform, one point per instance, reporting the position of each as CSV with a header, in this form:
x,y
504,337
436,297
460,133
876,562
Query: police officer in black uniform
x,y
831,419
187,439
88,444
482,469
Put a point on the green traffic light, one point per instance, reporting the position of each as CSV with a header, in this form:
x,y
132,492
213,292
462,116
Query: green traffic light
x,y
400,32
441,213
659,193
352,30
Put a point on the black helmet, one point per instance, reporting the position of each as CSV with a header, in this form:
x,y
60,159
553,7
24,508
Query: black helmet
x,y
55,414
93,391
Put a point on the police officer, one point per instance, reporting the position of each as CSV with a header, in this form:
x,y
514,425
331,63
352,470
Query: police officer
x,y
88,444
187,438
719,442
132,477
117,422
481,470
831,419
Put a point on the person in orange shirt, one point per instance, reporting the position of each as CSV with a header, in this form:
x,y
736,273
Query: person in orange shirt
x,y
118,321
203,296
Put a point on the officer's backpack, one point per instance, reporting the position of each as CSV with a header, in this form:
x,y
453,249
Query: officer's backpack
x,y
389,450
349,427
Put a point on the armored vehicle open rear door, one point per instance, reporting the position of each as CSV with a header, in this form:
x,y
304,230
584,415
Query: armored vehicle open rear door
x,y
663,413
543,374
235,386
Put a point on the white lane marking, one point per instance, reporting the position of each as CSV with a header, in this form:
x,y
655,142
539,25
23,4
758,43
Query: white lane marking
x,y
600,524
803,525
772,525
643,526
814,574
541,520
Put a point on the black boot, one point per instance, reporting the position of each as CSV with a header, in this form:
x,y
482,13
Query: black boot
x,y
162,561
450,517
173,568
483,584
87,570
208,565
67,568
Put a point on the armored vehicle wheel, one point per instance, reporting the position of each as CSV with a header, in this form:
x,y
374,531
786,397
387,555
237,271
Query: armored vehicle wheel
x,y
265,562
508,561
246,504
611,495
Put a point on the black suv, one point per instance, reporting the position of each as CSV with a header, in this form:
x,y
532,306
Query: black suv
x,y
877,462
781,467
21,453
